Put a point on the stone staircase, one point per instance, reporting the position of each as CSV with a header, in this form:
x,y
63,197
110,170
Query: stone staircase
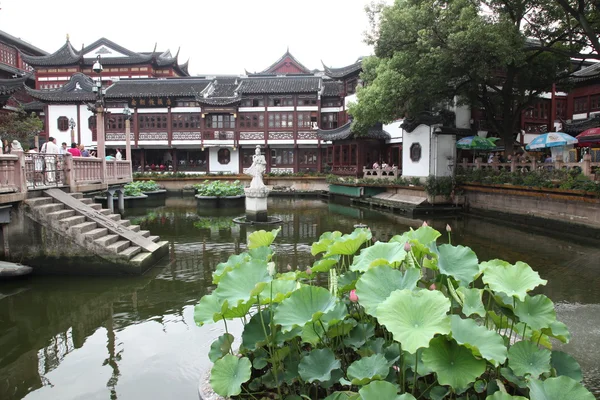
x,y
96,229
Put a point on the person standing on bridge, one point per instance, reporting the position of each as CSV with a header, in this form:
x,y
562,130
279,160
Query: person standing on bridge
x,y
51,148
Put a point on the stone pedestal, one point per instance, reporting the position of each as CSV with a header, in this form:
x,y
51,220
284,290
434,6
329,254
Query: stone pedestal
x,y
256,204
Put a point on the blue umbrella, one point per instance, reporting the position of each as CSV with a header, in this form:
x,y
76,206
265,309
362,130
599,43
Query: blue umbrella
x,y
551,139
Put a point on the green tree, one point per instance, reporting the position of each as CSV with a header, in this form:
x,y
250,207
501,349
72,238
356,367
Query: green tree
x,y
492,55
19,125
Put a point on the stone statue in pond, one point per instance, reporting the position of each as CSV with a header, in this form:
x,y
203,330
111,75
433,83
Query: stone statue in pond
x,y
257,169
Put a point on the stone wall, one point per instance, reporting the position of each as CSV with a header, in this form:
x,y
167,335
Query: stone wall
x,y
300,184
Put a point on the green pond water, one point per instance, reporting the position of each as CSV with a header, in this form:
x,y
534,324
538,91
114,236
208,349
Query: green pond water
x,y
135,337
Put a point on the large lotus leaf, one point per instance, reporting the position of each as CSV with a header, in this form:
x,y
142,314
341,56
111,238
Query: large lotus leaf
x,y
472,303
325,264
314,332
491,263
253,335
565,365
424,235
347,281
306,304
347,395
262,238
459,262
243,283
228,374
409,362
349,244
561,388
212,309
261,253
453,364
525,358
277,290
536,311
317,365
220,347
415,317
558,331
380,253
372,346
512,280
375,285
382,390
359,335
233,261
324,241
367,369
483,342
504,396
342,328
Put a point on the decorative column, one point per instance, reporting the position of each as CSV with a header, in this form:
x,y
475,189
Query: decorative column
x,y
100,141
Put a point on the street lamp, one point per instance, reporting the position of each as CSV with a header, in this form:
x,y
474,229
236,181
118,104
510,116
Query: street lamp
x,y
97,68
72,125
127,115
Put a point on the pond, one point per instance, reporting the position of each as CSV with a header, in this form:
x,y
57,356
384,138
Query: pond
x,y
135,337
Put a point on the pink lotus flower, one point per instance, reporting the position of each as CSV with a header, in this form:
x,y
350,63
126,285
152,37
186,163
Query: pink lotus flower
x,y
407,247
353,296
309,271
448,228
424,223
432,287
289,267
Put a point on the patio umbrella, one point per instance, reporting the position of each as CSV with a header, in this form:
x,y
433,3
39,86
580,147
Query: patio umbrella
x,y
476,143
588,137
551,139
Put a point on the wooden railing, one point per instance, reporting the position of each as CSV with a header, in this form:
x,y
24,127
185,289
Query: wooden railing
x,y
388,173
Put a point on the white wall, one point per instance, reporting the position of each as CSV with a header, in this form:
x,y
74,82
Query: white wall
x,y
395,131
422,136
70,111
86,132
232,167
443,152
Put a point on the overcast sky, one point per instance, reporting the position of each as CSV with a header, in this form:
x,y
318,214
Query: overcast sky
x,y
219,36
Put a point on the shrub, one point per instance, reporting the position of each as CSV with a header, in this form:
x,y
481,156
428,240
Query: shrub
x,y
219,188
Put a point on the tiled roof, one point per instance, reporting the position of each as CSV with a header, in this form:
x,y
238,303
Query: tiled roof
x,y
9,86
296,84
342,72
66,55
345,132
584,74
332,88
79,88
222,91
271,68
578,126
183,87
21,44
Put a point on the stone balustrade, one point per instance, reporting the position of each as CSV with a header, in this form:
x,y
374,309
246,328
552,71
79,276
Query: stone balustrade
x,y
389,173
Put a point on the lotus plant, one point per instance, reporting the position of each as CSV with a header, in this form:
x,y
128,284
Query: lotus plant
x,y
406,319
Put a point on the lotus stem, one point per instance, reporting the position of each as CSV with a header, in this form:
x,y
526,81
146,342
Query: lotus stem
x,y
487,309
427,388
414,388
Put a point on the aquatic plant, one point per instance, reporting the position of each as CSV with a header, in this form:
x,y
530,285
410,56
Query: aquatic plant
x,y
219,188
404,319
137,188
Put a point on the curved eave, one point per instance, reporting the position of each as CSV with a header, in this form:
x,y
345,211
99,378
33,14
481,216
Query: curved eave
x,y
66,55
343,72
10,86
345,132
52,96
219,101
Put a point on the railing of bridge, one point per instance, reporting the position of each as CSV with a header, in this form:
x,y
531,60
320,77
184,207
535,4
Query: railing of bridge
x,y
44,170
388,173
86,170
11,180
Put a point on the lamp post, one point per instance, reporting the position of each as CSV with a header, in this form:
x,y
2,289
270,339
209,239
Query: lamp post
x,y
101,152
72,125
127,115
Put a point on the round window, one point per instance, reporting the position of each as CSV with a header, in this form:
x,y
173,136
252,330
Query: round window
x,y
415,152
224,156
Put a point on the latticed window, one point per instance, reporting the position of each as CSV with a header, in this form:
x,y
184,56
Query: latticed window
x,y
63,124
580,104
281,120
220,121
185,121
152,122
282,157
253,102
329,120
249,121
116,123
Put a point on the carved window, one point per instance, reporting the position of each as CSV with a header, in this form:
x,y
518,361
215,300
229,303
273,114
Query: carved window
x,y
224,156
580,105
92,123
281,120
329,120
220,121
152,122
63,124
185,121
595,102
281,101
415,152
304,120
330,103
249,121
116,123
253,102
282,157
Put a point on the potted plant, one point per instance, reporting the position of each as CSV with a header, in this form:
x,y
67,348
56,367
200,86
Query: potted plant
x,y
220,193
404,319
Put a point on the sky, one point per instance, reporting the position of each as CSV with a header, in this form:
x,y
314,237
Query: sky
x,y
218,36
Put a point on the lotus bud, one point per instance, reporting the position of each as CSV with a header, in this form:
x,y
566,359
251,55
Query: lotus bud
x,y
424,223
353,296
289,267
432,287
448,228
407,247
309,270
396,368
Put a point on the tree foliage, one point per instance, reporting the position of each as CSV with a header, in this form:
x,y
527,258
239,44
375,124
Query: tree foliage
x,y
19,125
495,55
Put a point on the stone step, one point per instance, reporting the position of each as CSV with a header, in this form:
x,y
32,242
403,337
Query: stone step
x,y
38,201
140,258
96,206
77,195
58,215
104,211
114,217
144,233
87,201
119,246
130,252
125,222
155,239
82,228
46,209
135,228
107,240
71,221
96,233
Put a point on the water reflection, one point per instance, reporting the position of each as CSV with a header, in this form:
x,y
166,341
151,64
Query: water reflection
x,y
134,337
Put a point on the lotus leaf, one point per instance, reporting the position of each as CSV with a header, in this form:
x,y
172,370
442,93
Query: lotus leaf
x,y
482,341
453,364
472,303
261,253
228,374
324,241
565,365
277,290
537,311
560,388
510,376
504,396
512,280
359,335
409,362
243,283
325,264
212,309
459,262
381,390
372,346
375,285
525,358
424,235
262,238
253,335
347,281
317,365
491,263
341,329
379,254
367,369
415,317
306,304
558,331
233,261
349,244
220,347
347,395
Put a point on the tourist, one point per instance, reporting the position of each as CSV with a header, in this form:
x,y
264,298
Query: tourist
x,y
83,150
548,159
375,165
110,158
38,164
119,156
491,157
385,165
51,148
63,148
74,151
16,146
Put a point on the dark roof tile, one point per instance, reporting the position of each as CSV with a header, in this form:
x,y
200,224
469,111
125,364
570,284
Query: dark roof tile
x,y
584,74
338,73
79,88
20,44
332,88
345,132
296,84
66,55
182,87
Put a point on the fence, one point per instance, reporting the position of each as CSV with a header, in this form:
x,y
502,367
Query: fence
x,y
11,179
390,173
